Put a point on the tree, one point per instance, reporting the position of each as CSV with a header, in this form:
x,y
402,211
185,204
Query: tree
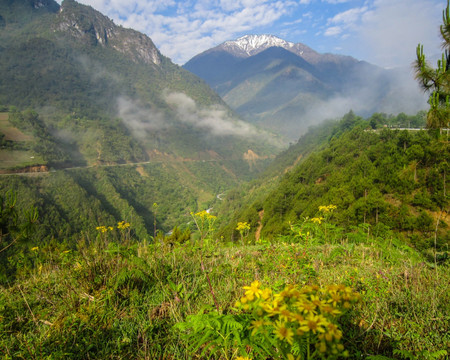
x,y
437,81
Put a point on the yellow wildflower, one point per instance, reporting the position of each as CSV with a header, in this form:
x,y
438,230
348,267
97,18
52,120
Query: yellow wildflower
x,y
332,332
273,308
316,301
36,248
328,208
285,314
283,333
253,290
242,226
298,317
335,299
265,294
314,323
205,215
122,225
328,309
102,229
322,347
306,307
256,324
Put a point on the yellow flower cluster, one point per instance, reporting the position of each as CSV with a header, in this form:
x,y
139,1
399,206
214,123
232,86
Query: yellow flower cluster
x,y
317,220
328,208
242,226
204,215
122,225
296,313
104,229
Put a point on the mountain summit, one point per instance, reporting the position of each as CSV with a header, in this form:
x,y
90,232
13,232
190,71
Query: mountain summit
x,y
250,45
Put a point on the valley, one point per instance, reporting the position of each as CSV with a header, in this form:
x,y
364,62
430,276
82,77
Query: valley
x,y
263,201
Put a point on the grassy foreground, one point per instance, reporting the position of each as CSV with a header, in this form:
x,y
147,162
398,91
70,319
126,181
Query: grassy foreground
x,y
113,298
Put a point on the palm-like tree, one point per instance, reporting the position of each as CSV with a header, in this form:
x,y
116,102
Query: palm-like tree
x,y
437,81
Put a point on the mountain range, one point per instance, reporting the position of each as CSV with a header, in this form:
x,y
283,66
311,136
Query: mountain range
x,y
286,87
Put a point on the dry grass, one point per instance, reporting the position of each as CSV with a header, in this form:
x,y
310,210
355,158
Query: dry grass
x,y
11,132
10,159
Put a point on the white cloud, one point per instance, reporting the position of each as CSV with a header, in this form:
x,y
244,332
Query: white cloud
x,y
349,17
390,32
182,29
333,31
345,21
336,1
215,120
140,120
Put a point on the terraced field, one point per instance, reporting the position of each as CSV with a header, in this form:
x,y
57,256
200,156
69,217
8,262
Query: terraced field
x,y
15,155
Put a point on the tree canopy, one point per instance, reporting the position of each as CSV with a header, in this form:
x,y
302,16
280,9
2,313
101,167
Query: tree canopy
x,y
437,81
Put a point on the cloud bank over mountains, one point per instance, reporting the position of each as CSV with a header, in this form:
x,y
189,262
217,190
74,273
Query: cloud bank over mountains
x,y
213,120
382,32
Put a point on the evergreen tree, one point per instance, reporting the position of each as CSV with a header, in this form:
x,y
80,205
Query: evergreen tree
x,y
437,81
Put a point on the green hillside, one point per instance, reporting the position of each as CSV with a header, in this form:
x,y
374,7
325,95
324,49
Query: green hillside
x,y
78,92
387,179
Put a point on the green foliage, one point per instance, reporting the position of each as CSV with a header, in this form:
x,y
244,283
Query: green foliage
x,y
437,81
392,178
16,227
113,297
424,354
215,335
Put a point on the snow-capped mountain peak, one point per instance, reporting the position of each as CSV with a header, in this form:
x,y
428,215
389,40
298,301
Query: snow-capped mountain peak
x,y
253,44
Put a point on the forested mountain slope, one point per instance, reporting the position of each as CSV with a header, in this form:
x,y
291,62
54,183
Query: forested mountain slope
x,y
388,179
81,93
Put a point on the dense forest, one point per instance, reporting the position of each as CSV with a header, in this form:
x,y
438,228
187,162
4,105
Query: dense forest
x,y
382,177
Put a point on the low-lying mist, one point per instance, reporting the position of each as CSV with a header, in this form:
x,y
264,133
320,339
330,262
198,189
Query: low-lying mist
x,y
214,120
392,92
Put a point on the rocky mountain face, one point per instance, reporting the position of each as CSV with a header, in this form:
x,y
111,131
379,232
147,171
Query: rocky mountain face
x,y
286,86
91,26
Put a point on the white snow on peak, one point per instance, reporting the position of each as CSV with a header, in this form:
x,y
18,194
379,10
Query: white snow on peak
x,y
253,44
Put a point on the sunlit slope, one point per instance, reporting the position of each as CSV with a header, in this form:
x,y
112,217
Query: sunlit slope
x,y
387,179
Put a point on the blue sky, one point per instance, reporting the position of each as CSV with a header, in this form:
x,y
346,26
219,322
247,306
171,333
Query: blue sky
x,y
383,32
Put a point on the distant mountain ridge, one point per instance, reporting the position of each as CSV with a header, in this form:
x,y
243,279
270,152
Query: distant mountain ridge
x,y
286,86
249,45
